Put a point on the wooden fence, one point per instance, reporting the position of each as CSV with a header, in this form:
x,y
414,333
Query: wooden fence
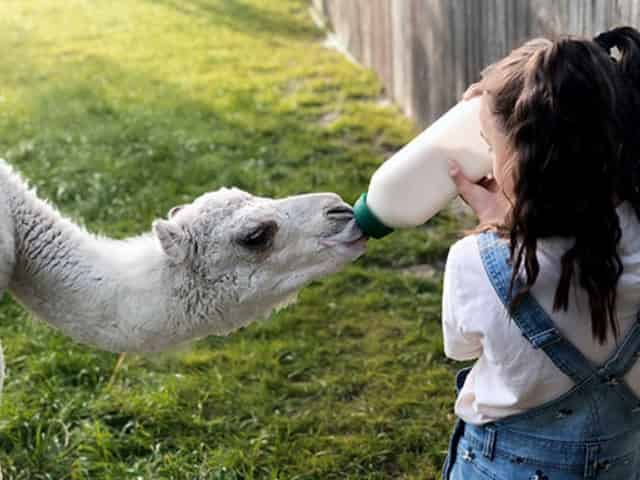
x,y
427,51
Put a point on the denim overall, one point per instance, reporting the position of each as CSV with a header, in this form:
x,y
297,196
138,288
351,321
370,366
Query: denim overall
x,y
591,432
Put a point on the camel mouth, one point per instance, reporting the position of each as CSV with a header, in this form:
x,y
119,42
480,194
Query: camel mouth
x,y
350,241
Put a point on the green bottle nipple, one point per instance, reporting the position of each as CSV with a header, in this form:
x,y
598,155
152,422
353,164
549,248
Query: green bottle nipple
x,y
367,221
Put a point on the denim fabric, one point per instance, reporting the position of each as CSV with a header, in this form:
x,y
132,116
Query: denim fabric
x,y
591,432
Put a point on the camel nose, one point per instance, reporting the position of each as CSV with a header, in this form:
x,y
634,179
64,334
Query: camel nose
x,y
340,212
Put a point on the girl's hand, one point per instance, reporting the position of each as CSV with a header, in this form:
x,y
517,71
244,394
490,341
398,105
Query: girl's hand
x,y
485,197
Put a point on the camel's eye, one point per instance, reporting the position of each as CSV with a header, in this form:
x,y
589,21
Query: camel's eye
x,y
260,237
174,210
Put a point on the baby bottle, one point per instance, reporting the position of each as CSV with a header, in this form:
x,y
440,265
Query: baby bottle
x,y
414,184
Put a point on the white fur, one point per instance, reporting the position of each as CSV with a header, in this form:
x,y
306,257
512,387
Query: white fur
x,y
192,278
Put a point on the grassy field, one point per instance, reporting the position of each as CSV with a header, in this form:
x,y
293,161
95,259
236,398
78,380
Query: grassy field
x,y
117,110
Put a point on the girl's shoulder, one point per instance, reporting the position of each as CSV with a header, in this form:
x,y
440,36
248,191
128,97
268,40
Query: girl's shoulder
x,y
464,252
464,269
467,283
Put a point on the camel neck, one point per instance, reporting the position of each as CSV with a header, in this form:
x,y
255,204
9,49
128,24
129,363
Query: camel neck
x,y
104,292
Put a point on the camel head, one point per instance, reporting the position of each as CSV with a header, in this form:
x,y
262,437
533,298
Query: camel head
x,y
234,256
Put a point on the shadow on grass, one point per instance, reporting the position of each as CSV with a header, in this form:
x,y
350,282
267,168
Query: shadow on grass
x,y
242,16
126,154
121,155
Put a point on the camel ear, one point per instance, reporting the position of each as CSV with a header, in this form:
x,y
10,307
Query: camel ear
x,y
173,240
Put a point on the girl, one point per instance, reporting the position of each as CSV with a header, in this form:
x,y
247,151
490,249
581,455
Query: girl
x,y
555,390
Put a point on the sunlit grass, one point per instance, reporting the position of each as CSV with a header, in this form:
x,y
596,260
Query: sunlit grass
x,y
117,110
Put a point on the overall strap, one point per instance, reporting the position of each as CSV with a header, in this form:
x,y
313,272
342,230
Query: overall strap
x,y
625,355
533,321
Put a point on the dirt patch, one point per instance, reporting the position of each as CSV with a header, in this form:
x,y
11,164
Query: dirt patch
x,y
425,270
328,118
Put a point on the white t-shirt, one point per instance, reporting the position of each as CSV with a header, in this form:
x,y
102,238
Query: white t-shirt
x,y
509,376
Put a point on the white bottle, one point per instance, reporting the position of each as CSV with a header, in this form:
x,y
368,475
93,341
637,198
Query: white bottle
x,y
414,184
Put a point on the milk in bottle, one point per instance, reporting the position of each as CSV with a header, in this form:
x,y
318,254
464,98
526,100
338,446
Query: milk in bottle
x,y
414,184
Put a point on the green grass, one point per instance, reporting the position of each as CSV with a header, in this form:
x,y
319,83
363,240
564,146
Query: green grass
x,y
117,110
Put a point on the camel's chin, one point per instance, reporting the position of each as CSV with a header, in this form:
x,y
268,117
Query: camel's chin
x,y
346,251
352,250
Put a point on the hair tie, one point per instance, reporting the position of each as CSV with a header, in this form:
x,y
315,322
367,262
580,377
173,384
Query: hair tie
x,y
607,40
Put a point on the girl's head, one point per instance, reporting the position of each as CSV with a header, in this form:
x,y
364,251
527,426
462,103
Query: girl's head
x,y
562,119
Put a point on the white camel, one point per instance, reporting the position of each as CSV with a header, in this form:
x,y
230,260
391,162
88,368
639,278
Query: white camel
x,y
212,267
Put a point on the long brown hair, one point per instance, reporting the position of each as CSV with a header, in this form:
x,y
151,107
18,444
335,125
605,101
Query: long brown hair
x,y
566,108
